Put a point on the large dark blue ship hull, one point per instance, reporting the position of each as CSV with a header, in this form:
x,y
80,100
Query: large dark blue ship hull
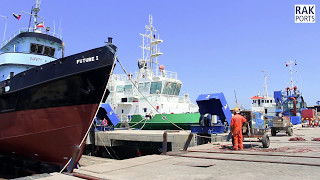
x,y
46,111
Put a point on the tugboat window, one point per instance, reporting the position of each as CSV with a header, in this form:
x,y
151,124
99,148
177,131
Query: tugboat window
x,y
155,86
147,86
173,89
140,86
128,88
178,89
120,88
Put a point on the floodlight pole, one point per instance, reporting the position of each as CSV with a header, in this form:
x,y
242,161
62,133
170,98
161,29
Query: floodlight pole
x,y
5,27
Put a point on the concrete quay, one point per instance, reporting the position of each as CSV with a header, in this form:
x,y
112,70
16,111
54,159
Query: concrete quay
x,y
175,138
284,159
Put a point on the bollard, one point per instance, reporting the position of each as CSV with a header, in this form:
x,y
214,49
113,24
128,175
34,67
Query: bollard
x,y
165,143
186,145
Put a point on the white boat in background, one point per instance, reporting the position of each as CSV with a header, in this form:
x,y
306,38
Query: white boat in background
x,y
264,103
152,90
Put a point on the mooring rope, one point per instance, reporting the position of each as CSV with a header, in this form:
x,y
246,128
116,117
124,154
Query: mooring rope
x,y
134,85
104,92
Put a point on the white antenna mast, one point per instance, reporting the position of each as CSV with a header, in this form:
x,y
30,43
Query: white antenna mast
x,y
150,45
265,87
34,13
5,27
289,63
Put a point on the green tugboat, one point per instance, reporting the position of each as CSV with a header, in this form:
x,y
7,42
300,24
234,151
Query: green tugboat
x,y
149,99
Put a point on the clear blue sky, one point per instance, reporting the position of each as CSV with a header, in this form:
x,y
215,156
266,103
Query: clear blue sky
x,y
215,46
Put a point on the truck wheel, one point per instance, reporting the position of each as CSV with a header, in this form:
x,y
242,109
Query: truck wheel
x,y
265,141
290,131
273,132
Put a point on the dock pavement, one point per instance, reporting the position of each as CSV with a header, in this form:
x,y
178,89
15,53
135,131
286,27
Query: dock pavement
x,y
284,159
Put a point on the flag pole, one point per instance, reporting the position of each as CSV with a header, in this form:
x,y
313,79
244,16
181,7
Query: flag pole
x,y
5,27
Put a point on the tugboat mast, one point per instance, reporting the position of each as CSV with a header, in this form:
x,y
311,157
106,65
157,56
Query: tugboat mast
x,y
150,46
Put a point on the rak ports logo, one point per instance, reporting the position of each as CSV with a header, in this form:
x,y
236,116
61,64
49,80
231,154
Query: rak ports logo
x,y
305,13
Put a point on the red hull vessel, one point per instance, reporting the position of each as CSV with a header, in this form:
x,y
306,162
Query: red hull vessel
x,y
47,103
49,135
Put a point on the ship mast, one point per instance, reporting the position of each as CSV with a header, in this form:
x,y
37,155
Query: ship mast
x,y
290,63
150,43
265,87
34,13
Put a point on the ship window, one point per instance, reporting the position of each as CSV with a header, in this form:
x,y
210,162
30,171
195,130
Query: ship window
x,y
52,50
46,51
40,48
270,101
147,86
178,90
33,48
128,88
173,88
140,86
144,109
266,111
155,87
262,101
120,88
166,88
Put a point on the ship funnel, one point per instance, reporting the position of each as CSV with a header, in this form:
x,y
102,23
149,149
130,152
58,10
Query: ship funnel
x,y
110,40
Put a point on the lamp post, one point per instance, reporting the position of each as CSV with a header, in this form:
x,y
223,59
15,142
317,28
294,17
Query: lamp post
x,y
5,27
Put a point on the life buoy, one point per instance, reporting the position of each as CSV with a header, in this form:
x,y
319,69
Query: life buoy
x,y
105,122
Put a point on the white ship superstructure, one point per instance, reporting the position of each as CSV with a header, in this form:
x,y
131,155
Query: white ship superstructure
x,y
150,90
264,103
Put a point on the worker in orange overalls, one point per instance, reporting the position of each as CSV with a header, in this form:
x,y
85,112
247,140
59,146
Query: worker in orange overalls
x,y
236,128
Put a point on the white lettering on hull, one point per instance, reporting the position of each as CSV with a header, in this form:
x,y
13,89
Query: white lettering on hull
x,y
87,60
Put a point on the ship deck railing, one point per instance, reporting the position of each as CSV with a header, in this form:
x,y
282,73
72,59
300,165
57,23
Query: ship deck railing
x,y
125,117
155,73
165,73
159,73
22,30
